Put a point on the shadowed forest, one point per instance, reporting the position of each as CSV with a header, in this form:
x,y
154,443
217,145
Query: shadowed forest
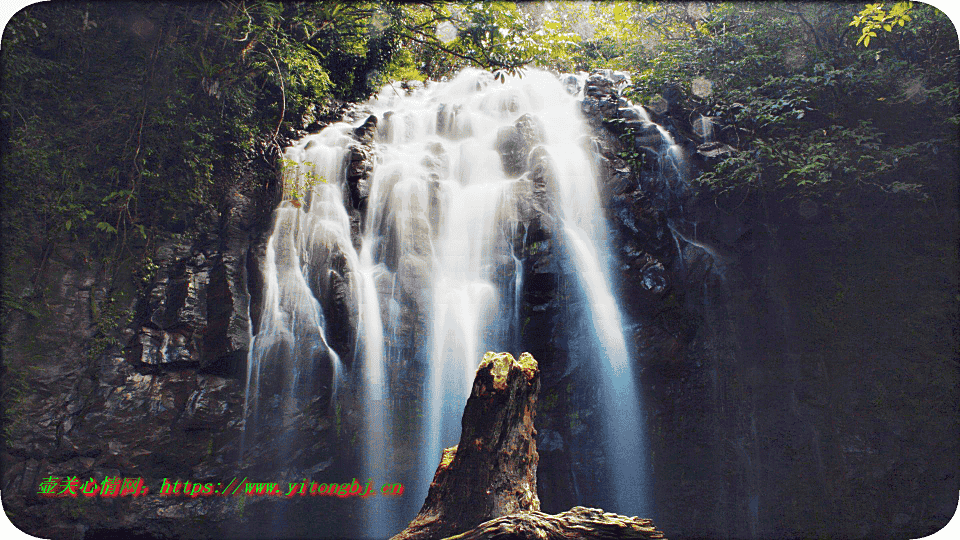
x,y
275,240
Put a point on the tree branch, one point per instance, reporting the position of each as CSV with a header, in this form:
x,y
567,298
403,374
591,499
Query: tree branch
x,y
799,14
428,41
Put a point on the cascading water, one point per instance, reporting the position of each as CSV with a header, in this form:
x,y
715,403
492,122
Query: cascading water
x,y
443,204
291,346
310,239
667,148
438,277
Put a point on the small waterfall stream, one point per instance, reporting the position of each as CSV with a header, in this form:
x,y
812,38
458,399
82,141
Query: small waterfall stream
x,y
438,277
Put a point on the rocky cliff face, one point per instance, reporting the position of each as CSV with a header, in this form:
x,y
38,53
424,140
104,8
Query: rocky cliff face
x,y
795,370
799,376
159,397
157,391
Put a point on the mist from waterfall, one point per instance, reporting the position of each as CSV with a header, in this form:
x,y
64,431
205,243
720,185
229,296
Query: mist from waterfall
x,y
442,232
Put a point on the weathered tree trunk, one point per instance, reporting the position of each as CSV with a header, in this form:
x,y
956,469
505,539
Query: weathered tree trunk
x,y
486,487
576,523
493,471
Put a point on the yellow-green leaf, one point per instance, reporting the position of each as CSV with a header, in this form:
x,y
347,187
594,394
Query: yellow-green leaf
x,y
620,13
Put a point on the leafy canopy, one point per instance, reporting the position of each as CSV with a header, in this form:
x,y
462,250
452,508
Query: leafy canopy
x,y
874,17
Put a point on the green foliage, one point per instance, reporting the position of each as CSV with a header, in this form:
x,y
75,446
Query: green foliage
x,y
631,155
500,36
241,505
299,178
808,112
874,17
16,389
550,400
122,122
616,35
146,271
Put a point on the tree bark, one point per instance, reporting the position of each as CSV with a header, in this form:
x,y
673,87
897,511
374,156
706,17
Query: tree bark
x,y
493,471
486,487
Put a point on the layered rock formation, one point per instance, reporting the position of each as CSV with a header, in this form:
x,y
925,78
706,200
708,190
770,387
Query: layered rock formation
x,y
791,387
158,397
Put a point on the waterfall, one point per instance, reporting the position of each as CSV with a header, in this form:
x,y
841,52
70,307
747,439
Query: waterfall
x,y
667,148
438,277
291,345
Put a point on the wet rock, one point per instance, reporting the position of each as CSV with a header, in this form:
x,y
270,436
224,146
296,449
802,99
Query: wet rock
x,y
596,110
654,276
542,176
601,99
629,115
157,347
437,161
571,83
619,181
541,306
599,86
195,312
358,175
515,143
400,313
549,441
714,150
648,136
226,336
366,131
642,226
413,277
531,130
359,168
335,291
617,79
450,122
673,94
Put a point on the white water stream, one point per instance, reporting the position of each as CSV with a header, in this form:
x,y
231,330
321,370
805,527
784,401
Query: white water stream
x,y
441,230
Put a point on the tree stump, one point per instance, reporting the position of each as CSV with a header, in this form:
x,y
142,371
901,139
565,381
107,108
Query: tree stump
x,y
485,488
493,471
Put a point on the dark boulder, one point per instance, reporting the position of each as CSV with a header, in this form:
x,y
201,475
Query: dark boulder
x,y
515,143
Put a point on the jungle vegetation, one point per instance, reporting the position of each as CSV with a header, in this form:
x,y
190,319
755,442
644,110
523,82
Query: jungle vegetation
x,y
123,122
